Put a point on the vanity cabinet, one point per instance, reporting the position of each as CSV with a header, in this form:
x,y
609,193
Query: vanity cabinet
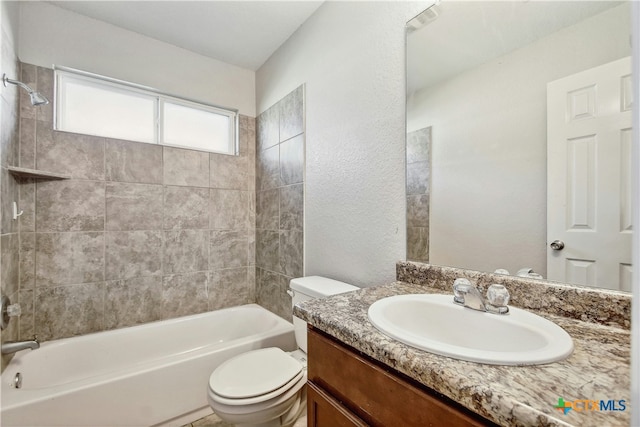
x,y
347,388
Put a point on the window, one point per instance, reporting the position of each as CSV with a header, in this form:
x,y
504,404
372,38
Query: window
x,y
100,106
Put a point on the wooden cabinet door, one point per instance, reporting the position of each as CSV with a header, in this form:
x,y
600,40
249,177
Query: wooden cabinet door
x,y
325,411
375,394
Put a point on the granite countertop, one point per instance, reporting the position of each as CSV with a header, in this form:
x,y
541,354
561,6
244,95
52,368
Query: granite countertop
x,y
598,369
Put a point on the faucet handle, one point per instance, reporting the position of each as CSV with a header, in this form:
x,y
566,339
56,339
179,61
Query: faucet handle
x,y
498,297
460,287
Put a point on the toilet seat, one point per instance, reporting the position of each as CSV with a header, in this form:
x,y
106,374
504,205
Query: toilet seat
x,y
262,398
254,377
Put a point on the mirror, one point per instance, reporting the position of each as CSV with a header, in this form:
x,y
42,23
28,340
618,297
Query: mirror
x,y
492,88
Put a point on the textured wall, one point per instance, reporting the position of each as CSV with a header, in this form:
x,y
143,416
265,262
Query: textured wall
x,y
140,232
279,201
351,58
9,229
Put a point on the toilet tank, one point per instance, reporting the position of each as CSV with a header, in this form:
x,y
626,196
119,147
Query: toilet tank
x,y
306,288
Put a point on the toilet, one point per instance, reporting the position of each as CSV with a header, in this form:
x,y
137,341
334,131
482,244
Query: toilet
x,y
265,387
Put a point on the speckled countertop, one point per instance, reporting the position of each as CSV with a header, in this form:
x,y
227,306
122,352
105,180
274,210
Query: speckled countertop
x,y
598,369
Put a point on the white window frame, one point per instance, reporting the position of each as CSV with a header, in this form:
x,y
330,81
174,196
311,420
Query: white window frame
x,y
159,98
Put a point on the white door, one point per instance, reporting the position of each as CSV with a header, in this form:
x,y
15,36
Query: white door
x,y
589,177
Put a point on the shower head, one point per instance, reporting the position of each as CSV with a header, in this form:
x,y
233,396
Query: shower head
x,y
36,97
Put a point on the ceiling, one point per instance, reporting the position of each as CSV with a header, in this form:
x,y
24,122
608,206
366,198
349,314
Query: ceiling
x,y
242,33
504,26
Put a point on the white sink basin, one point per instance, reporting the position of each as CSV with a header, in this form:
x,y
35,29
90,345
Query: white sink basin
x,y
436,324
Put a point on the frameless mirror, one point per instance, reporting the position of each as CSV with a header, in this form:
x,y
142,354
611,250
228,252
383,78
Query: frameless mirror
x,y
519,139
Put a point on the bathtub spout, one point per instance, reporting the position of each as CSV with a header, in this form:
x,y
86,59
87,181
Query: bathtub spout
x,y
12,347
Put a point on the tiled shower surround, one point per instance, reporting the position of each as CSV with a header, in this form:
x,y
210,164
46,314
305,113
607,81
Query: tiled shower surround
x,y
140,232
9,229
418,193
279,201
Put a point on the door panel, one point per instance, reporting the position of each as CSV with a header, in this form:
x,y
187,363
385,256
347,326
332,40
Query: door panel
x,y
589,200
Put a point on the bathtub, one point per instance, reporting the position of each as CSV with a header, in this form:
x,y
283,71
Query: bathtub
x,y
149,375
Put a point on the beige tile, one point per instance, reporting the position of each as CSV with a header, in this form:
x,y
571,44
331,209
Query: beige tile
x,y
66,311
418,178
132,254
128,161
27,260
185,251
69,258
27,318
70,205
9,192
28,76
292,207
228,249
418,244
133,301
184,294
268,249
228,171
186,207
268,128
45,86
418,145
228,209
292,160
268,168
27,205
267,209
292,114
212,420
271,293
185,167
133,206
10,262
9,134
28,143
291,253
230,287
80,156
418,210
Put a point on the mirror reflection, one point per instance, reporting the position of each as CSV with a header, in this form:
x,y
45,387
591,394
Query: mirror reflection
x,y
519,139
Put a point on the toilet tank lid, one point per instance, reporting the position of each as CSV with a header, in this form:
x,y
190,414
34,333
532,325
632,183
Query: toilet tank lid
x,y
319,287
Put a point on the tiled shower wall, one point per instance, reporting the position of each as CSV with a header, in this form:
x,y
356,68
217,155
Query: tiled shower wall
x,y
140,232
9,229
280,201
418,189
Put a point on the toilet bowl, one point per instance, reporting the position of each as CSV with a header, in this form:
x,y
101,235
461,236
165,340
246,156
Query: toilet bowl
x,y
266,387
260,388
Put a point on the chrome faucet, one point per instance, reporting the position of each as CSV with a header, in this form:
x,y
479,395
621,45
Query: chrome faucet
x,y
466,294
12,347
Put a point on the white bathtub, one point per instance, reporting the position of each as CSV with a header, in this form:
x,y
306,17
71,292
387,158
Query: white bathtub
x,y
153,374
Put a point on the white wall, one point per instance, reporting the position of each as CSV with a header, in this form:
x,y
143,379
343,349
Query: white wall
x,y
50,35
635,306
9,22
488,200
351,57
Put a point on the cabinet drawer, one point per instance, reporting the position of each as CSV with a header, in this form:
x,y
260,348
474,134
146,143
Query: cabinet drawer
x,y
377,396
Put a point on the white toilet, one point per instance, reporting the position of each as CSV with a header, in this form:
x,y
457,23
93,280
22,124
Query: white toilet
x,y
265,388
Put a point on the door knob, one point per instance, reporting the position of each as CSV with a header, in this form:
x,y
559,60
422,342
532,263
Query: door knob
x,y
557,245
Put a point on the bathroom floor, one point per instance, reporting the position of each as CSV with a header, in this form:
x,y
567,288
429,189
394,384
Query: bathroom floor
x,y
214,421
209,421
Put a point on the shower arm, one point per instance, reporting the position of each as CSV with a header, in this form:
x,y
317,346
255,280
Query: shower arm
x,y
36,97
6,80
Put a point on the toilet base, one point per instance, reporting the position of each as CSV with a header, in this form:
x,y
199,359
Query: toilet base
x,y
283,415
